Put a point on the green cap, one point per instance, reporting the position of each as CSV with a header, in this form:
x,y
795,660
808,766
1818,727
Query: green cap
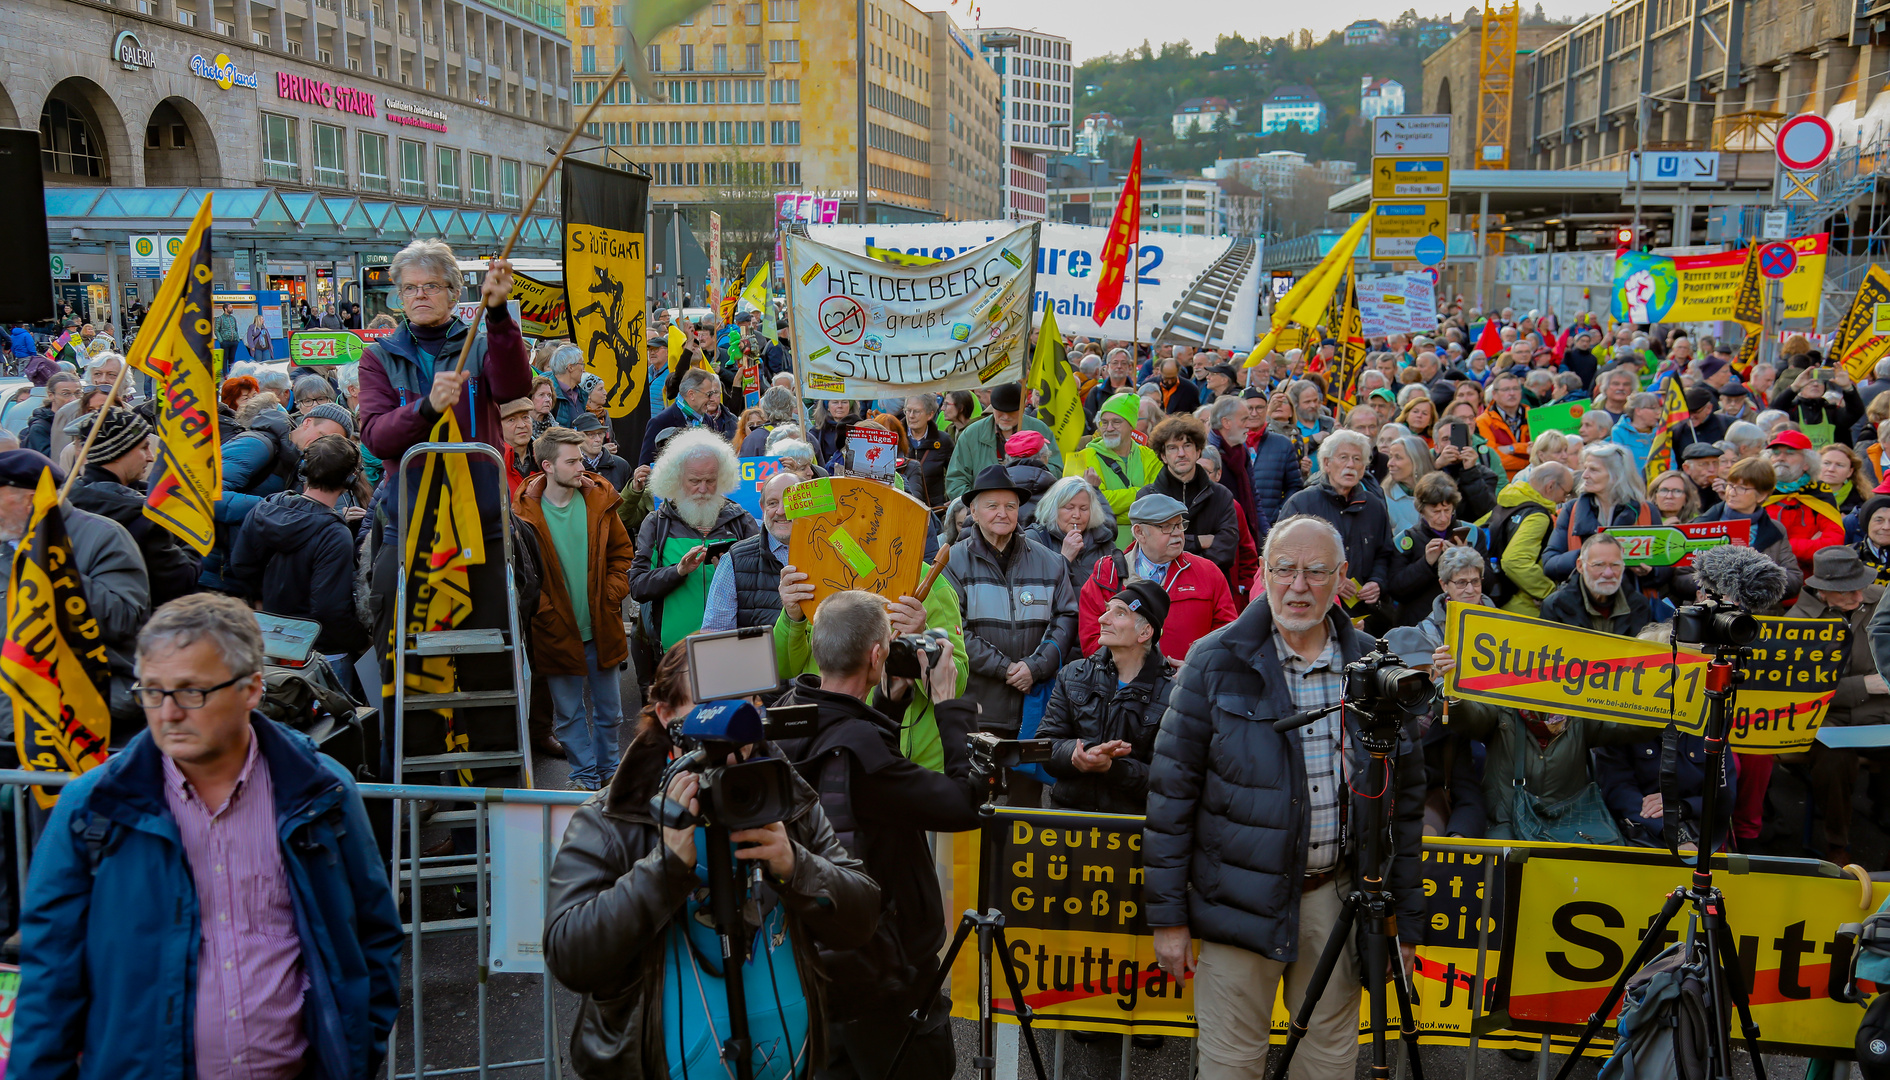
x,y
1126,404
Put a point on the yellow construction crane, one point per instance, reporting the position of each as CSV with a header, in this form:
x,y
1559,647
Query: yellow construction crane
x,y
1496,84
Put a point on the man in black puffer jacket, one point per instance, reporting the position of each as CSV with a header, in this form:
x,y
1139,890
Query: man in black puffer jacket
x,y
1106,707
61,390
113,486
294,555
1244,846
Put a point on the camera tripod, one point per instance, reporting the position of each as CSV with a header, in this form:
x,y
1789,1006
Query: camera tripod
x,y
990,930
1724,983
1370,897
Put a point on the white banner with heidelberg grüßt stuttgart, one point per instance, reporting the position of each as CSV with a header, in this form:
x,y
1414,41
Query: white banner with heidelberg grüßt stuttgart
x,y
1169,267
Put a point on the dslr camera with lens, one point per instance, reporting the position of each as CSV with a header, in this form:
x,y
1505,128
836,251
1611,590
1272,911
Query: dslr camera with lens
x,y
911,656
1379,682
1716,624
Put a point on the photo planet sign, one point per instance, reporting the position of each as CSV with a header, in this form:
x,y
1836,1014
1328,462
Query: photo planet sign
x,y
868,329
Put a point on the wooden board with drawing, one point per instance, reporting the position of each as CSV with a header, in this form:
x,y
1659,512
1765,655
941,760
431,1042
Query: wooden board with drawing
x,y
856,534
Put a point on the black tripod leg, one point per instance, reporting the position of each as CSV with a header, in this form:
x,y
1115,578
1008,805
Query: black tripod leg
x,y
1407,1010
1650,944
965,926
1024,1014
1322,974
1731,971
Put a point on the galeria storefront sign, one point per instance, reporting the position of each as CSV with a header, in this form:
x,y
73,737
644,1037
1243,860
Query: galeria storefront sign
x,y
222,71
130,52
315,92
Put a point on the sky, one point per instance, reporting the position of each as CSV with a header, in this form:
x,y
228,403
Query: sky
x,y
1099,27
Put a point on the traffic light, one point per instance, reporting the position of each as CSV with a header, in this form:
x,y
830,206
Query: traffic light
x,y
1624,237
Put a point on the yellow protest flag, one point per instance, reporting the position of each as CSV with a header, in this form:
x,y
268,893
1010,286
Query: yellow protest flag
x,y
1059,396
1674,413
53,662
1312,293
1348,327
173,347
1862,337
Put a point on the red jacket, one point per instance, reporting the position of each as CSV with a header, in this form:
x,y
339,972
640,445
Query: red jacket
x,y
1809,531
1199,601
1246,565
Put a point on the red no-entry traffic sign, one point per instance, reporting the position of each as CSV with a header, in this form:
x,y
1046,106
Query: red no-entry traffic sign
x,y
1777,260
1804,142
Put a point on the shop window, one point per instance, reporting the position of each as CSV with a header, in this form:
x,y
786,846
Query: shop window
x,y
331,164
413,169
479,178
508,184
446,173
282,159
371,155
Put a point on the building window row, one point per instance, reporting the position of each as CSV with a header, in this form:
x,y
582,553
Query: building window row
x,y
906,146
898,182
457,176
887,101
695,174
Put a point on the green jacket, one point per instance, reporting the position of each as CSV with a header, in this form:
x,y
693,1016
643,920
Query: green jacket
x,y
978,448
1551,773
1140,468
1522,558
918,731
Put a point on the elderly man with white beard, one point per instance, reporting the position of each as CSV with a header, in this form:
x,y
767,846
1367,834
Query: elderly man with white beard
x,y
692,476
1113,462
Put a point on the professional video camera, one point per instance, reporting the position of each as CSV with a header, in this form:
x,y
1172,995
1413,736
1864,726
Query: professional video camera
x,y
991,756
723,670
1716,624
1379,682
911,656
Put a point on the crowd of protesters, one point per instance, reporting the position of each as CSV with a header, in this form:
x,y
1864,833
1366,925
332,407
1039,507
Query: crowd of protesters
x,y
1212,516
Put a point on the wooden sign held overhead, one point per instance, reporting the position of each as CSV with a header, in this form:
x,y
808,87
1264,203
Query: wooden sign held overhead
x,y
855,534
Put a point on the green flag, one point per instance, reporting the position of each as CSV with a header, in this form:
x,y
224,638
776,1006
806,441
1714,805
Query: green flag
x,y
1565,416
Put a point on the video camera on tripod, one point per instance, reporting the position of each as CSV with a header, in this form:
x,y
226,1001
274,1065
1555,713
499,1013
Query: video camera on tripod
x,y
732,795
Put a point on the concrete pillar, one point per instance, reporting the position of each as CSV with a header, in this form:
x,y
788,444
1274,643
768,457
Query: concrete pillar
x,y
341,36
240,19
278,27
369,39
465,53
418,16
439,51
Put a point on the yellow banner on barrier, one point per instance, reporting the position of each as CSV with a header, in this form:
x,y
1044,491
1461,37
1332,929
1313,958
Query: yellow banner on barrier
x,y
1576,915
1523,663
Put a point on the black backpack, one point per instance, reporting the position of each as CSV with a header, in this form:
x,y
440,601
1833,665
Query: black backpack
x,y
1497,585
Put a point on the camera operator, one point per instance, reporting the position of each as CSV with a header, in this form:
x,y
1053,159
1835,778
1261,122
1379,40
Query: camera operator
x,y
882,805
1746,578
1105,708
1258,869
624,889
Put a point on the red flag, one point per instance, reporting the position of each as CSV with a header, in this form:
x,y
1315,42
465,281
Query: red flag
x,y
1490,341
1119,248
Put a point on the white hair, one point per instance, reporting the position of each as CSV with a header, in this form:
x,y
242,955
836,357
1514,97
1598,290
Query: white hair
x,y
1344,437
667,473
1062,492
1624,480
431,258
563,358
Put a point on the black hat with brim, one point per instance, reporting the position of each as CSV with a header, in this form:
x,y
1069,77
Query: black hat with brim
x,y
994,478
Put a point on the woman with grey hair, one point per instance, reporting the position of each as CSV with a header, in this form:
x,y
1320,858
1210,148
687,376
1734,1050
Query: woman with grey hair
x,y
778,407
796,456
566,368
1074,521
411,377
1407,460
1610,492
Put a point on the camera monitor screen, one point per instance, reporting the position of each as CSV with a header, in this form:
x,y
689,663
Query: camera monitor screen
x,y
731,664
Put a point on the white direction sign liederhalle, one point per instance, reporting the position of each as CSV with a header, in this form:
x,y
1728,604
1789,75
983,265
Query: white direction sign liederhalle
x,y
1412,136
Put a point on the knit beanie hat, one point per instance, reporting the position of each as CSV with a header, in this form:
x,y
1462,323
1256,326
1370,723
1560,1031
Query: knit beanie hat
x,y
123,430
1124,404
330,411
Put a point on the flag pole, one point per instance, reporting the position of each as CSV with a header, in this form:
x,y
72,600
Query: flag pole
x,y
465,349
78,463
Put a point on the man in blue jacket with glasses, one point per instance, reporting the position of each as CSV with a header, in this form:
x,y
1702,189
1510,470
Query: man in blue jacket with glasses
x,y
209,903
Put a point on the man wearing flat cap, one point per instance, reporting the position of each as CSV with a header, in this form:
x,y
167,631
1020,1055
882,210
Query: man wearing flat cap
x,y
1199,599
1702,462
110,572
113,486
597,452
1842,586
1702,425
982,443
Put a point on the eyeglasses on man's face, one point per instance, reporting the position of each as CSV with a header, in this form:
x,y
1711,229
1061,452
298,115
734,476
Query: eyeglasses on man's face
x,y
186,697
1315,576
428,288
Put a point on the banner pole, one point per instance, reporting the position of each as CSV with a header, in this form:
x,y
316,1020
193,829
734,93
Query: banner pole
x,y
794,331
518,226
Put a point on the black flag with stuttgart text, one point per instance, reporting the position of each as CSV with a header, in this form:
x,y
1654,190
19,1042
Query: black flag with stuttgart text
x,y
604,260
